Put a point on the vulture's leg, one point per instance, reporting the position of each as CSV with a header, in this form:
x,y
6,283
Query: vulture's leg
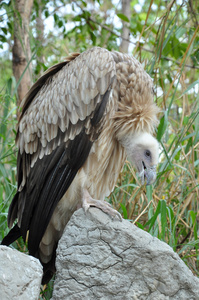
x,y
88,201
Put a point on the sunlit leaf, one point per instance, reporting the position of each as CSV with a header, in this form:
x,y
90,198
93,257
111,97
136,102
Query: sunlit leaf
x,y
123,17
162,126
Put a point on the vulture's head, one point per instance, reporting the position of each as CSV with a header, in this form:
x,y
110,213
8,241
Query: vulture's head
x,y
142,151
135,135
135,121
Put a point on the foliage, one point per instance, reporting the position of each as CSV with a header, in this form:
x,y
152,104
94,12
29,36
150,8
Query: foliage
x,y
7,155
165,39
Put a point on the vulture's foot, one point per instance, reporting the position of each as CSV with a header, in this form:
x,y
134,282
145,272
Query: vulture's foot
x,y
88,201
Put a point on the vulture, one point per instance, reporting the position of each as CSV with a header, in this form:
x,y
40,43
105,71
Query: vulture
x,y
78,124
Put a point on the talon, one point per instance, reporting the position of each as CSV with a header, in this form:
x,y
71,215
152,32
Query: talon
x,y
88,201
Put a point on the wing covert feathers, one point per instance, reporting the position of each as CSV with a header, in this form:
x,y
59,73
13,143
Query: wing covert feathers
x,y
65,103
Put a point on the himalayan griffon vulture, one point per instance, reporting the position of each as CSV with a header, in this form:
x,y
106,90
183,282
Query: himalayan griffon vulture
x,y
78,124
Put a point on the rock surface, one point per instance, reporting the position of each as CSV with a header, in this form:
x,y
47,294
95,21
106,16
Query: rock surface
x,y
98,258
20,275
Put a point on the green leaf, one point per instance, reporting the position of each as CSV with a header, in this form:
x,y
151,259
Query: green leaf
x,y
4,30
180,32
56,18
93,38
3,38
139,225
189,245
77,18
162,126
124,210
84,3
123,17
189,144
10,26
177,155
46,13
149,191
60,23
175,47
163,211
194,223
185,120
151,222
196,163
190,87
171,217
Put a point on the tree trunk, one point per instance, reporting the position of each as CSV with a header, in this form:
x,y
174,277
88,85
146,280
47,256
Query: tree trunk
x,y
40,38
21,49
126,10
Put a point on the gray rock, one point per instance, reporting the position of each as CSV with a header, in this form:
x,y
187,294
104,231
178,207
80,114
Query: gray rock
x,y
100,258
20,275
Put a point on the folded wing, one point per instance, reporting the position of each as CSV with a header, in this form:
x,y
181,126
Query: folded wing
x,y
62,116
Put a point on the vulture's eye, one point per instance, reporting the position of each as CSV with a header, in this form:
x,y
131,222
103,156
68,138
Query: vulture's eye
x,y
147,153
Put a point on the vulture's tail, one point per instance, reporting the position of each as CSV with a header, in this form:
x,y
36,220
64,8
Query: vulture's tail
x,y
12,236
49,269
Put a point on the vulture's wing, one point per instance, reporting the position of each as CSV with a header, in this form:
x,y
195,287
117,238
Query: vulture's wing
x,y
62,116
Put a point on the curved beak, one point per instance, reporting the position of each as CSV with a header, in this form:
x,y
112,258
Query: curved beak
x,y
148,174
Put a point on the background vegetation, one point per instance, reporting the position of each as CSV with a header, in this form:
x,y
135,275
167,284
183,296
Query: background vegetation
x,y
163,35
